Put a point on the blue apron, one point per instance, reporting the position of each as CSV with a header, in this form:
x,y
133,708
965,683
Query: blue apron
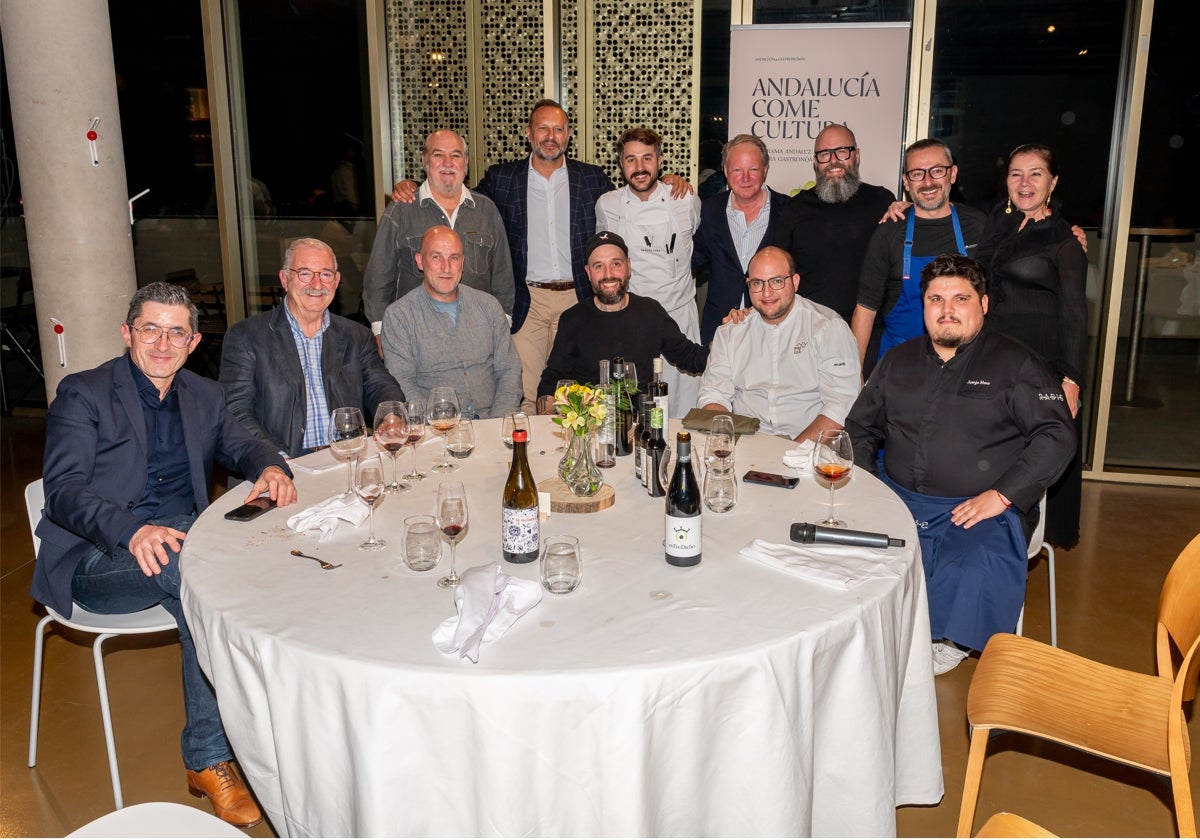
x,y
975,577
907,318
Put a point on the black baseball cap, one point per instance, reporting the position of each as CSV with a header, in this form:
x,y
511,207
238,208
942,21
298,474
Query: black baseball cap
x,y
604,237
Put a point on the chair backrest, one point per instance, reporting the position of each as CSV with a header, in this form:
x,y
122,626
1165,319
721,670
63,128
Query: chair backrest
x,y
35,500
1179,612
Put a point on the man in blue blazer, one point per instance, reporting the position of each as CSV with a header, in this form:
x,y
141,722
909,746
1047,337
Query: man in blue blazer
x,y
734,225
129,452
284,371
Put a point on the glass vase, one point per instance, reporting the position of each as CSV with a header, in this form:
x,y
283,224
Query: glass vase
x,y
578,468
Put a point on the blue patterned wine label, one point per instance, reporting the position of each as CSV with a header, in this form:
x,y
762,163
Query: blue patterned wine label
x,y
519,530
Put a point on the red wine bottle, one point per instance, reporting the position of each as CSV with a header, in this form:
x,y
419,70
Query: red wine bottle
x,y
683,508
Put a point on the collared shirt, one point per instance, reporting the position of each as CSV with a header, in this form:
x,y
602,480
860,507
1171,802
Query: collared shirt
x,y
316,426
747,235
549,203
784,374
659,233
425,194
168,475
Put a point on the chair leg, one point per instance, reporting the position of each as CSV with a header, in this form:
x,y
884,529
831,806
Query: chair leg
x,y
106,717
1021,621
35,704
970,795
1053,596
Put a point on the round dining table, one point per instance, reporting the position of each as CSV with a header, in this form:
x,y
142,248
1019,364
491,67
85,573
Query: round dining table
x,y
729,698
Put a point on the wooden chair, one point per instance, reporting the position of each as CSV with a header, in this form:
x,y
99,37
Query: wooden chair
x,y
1005,824
1137,719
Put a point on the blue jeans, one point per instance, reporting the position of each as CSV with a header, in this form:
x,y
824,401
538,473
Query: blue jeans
x,y
116,584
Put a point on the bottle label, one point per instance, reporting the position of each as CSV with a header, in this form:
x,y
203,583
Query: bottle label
x,y
519,530
683,536
639,466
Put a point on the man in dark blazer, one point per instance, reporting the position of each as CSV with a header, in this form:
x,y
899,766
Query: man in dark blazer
x,y
734,225
284,371
128,462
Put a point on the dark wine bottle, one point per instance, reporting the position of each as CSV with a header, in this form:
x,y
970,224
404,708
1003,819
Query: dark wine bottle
x,y
656,451
683,508
641,438
519,508
623,419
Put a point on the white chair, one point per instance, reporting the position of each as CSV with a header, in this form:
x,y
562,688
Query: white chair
x,y
154,620
158,819
1036,544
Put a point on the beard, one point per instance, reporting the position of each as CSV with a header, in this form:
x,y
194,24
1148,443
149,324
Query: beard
x,y
614,297
837,190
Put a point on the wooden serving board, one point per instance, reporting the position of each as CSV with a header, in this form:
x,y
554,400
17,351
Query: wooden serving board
x,y
563,501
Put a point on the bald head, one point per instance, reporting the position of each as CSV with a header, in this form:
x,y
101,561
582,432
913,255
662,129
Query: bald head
x,y
441,262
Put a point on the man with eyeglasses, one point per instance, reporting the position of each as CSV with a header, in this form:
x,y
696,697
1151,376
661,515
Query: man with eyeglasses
x,y
889,294
128,462
826,228
734,224
284,371
791,363
441,199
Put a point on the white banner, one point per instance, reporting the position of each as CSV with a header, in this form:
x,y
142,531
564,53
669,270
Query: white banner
x,y
788,82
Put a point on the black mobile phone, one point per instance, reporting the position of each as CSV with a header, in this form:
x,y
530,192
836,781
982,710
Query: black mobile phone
x,y
251,509
770,479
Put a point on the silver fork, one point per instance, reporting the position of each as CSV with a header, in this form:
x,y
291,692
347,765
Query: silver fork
x,y
298,553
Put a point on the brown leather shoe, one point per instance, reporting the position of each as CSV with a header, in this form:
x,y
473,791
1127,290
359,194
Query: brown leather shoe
x,y
230,799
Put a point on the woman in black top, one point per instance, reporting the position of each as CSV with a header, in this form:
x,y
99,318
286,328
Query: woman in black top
x,y
1036,290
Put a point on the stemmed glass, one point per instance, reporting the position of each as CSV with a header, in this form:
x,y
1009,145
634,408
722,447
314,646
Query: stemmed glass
x,y
442,411
347,439
391,433
564,433
368,484
452,520
414,416
833,458
718,449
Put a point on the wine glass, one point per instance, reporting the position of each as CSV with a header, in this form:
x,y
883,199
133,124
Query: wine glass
x,y
517,420
718,449
368,484
414,417
391,433
442,411
833,457
460,442
452,520
563,432
347,439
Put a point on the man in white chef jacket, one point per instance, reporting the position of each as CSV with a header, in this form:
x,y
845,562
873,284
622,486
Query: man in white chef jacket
x,y
658,230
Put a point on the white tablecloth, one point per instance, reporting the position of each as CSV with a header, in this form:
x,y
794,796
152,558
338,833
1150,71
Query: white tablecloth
x,y
726,699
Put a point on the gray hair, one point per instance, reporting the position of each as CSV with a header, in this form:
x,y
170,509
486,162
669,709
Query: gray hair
x,y
306,242
746,140
167,294
425,149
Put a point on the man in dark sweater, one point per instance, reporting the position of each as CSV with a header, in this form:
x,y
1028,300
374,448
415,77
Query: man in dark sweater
x,y
826,229
613,323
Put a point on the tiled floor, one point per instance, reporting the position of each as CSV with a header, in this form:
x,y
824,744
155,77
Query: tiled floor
x,y
1108,589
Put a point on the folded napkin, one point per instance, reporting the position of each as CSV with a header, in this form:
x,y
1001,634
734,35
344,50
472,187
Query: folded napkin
x,y
488,603
700,420
836,566
323,460
799,458
326,516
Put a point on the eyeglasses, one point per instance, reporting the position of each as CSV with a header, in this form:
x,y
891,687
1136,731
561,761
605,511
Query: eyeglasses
x,y
307,275
934,172
151,333
841,153
756,285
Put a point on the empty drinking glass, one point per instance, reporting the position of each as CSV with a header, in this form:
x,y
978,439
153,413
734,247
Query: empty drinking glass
x,y
517,420
561,565
720,490
422,543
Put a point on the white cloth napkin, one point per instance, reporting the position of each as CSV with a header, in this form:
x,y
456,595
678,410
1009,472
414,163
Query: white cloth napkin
x,y
799,458
323,460
836,566
488,603
326,516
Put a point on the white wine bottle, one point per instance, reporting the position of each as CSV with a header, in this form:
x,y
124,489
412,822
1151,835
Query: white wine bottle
x,y
519,508
683,526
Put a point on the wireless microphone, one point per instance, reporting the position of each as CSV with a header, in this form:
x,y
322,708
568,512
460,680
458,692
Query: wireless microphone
x,y
806,532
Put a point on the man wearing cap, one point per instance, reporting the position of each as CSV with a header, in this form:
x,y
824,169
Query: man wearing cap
x,y
613,323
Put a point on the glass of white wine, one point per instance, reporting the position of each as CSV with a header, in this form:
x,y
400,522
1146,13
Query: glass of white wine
x,y
442,412
833,458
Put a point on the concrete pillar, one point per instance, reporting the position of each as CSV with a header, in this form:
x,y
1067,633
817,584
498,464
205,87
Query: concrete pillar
x,y
60,79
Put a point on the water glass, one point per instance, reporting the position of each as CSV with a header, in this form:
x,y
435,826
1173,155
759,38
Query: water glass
x,y
460,442
720,490
422,543
561,565
517,420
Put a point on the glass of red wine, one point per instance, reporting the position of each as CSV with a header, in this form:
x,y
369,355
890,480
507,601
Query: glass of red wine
x,y
391,433
368,484
718,449
452,520
833,458
414,415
